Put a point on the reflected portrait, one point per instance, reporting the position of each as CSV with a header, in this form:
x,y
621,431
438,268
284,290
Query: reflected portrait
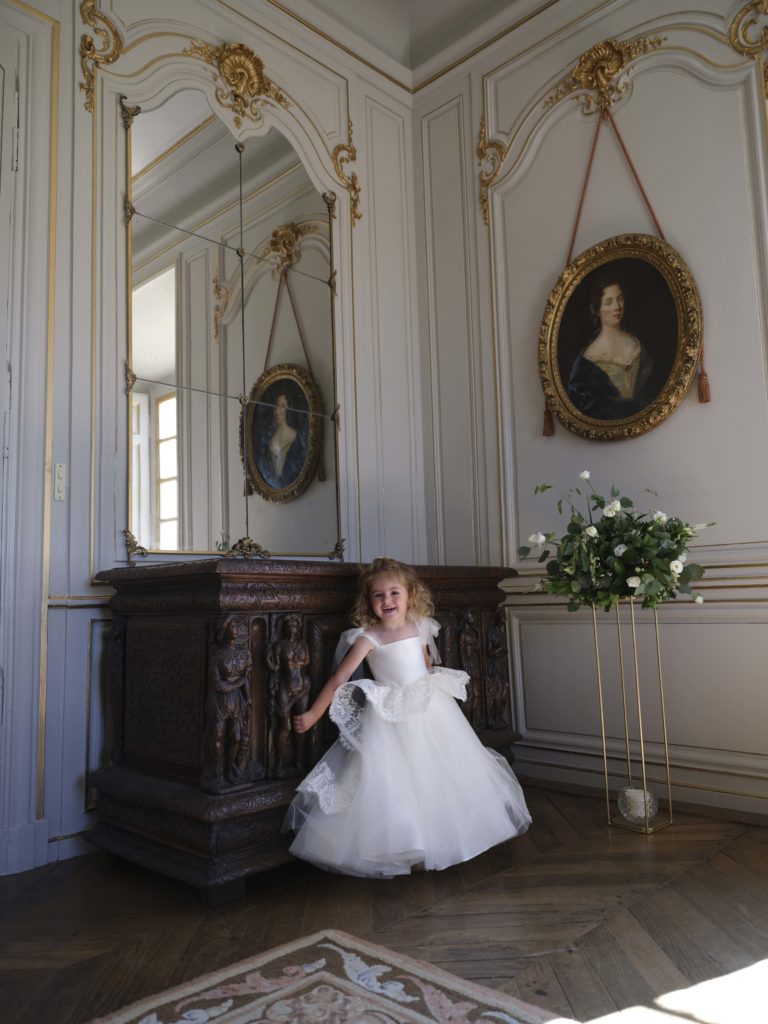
x,y
282,433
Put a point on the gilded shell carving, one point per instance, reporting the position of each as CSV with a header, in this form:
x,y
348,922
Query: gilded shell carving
x,y
597,73
243,84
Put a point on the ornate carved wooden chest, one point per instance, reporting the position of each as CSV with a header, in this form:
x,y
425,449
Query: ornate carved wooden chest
x,y
209,660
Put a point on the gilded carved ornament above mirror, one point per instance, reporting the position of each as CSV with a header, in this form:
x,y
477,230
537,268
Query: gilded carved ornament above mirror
x,y
242,86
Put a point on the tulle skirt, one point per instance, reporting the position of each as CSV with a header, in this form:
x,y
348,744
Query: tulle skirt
x,y
415,788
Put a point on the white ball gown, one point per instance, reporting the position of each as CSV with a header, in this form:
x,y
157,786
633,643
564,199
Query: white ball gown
x,y
408,782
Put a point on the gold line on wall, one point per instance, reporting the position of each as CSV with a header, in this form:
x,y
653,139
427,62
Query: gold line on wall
x,y
53,201
94,208
69,835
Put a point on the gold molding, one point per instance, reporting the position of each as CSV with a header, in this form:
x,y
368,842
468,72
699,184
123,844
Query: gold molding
x,y
489,152
338,550
246,548
91,58
344,153
132,547
222,296
246,86
596,75
743,24
284,244
127,112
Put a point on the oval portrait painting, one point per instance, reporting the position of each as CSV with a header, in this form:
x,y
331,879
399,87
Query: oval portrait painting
x,y
620,339
282,432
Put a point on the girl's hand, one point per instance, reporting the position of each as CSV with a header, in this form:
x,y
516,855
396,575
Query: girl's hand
x,y
301,723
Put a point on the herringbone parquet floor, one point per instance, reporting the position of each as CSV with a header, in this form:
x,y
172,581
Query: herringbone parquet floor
x,y
574,917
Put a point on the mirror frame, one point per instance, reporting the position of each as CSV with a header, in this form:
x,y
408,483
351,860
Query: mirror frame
x,y
255,110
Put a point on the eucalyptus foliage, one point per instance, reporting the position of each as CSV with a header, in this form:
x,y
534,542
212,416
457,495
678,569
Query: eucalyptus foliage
x,y
613,551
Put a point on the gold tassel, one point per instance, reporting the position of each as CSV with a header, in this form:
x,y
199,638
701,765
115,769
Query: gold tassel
x,y
549,423
705,394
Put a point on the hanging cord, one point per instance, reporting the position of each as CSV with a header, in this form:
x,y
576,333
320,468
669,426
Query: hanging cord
x,y
584,187
321,474
705,394
631,166
548,427
247,486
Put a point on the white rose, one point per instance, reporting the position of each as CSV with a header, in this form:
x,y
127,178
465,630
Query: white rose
x,y
699,599
619,550
676,566
659,517
591,531
584,475
537,538
633,581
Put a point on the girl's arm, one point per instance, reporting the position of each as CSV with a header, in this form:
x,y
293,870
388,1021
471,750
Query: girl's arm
x,y
349,663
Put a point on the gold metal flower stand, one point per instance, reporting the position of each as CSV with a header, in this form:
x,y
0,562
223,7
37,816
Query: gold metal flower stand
x,y
638,806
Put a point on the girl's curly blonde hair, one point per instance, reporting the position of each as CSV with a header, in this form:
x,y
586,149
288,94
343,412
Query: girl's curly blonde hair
x,y
420,604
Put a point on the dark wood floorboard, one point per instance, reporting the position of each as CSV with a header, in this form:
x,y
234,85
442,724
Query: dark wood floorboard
x,y
576,917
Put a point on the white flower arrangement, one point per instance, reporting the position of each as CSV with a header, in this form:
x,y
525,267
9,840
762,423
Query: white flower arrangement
x,y
614,551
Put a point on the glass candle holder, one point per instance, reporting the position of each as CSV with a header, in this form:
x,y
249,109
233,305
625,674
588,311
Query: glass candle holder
x,y
633,803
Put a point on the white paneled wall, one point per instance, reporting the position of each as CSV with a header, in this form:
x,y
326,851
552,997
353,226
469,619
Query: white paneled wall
x,y
693,119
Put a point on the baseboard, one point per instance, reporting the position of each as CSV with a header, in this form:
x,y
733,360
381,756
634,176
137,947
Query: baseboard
x,y
701,810
23,847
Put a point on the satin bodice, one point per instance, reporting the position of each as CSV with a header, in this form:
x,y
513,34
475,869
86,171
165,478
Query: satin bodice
x,y
399,662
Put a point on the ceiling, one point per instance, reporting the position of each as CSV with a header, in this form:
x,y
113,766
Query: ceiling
x,y
411,32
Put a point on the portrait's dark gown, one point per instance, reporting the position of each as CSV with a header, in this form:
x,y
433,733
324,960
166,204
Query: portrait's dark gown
x,y
593,392
407,782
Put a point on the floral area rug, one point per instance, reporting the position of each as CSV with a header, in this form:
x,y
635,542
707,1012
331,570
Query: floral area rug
x,y
329,978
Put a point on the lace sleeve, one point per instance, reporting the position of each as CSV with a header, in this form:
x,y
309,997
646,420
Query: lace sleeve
x,y
428,629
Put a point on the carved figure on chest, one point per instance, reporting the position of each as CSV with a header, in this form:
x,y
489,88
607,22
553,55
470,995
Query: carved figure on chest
x,y
497,672
289,688
470,662
228,704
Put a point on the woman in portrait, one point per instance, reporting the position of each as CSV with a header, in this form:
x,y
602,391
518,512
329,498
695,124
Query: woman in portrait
x,y
613,376
283,449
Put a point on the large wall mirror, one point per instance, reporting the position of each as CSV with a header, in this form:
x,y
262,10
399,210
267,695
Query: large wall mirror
x,y
231,366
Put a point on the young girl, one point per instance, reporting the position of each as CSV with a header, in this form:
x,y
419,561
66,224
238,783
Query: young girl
x,y
408,782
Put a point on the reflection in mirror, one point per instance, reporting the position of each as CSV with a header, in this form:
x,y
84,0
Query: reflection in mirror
x,y
231,336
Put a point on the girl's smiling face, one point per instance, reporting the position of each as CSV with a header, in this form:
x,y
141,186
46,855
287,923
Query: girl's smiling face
x,y
389,601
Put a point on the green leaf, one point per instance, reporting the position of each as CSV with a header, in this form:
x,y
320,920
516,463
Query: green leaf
x,y
523,552
691,571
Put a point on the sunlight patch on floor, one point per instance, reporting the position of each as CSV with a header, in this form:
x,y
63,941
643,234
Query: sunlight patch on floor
x,y
737,998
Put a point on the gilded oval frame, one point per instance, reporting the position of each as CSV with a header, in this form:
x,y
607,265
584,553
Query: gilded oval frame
x,y
667,300
303,416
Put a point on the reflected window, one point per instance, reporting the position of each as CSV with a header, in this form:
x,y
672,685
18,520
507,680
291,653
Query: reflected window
x,y
167,473
155,412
